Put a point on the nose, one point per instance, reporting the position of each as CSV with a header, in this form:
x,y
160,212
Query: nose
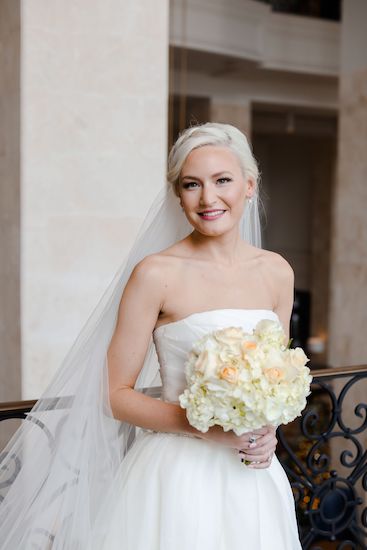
x,y
208,196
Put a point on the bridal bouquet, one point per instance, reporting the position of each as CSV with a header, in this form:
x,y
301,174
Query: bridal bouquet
x,y
243,381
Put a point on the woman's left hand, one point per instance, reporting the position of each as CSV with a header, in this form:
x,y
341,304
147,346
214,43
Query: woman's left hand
x,y
260,455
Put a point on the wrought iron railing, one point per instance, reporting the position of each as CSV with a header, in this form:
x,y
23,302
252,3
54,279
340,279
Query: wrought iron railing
x,y
324,454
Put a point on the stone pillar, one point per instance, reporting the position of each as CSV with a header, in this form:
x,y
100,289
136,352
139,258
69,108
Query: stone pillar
x,y
10,379
348,262
10,345
348,284
93,114
323,162
230,113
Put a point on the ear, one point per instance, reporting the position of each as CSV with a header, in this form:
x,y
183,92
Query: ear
x,y
250,188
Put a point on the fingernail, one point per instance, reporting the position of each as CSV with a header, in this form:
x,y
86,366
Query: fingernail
x,y
252,445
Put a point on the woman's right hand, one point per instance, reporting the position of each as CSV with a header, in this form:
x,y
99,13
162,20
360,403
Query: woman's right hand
x,y
230,439
258,452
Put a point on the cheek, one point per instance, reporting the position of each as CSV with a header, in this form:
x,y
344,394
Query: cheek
x,y
236,196
190,199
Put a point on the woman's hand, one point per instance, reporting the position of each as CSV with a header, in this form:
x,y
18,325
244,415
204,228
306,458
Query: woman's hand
x,y
259,452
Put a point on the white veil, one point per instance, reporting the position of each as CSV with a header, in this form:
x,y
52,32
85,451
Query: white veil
x,y
60,464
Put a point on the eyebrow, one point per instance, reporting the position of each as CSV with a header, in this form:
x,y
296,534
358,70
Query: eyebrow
x,y
213,175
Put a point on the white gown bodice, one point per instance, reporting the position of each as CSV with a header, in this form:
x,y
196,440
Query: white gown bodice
x,y
173,341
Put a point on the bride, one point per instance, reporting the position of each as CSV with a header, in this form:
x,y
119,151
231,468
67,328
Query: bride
x,y
119,469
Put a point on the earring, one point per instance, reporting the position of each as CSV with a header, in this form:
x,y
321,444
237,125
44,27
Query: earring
x,y
250,201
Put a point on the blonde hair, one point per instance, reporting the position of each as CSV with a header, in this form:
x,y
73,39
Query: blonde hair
x,y
211,133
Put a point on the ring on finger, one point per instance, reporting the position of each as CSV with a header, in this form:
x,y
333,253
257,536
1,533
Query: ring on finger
x,y
252,438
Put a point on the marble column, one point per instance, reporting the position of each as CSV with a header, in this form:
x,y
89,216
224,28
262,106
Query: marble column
x,y
348,283
93,115
10,200
347,343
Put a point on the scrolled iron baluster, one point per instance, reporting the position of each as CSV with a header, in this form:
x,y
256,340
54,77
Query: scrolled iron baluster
x,y
347,453
298,491
357,409
17,459
311,417
364,481
317,464
364,517
12,474
292,455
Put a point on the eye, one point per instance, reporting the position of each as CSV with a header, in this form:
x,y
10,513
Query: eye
x,y
190,185
224,180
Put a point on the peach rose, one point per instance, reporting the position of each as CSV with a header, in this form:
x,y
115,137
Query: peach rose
x,y
229,373
274,374
248,345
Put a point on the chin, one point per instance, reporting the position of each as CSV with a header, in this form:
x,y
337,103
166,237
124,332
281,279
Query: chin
x,y
213,231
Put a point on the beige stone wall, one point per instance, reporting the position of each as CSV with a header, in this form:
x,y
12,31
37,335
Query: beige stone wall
x,y
94,102
231,113
9,200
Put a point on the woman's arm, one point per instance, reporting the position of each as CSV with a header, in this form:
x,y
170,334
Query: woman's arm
x,y
139,308
285,293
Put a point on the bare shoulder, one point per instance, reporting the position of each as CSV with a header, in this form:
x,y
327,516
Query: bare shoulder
x,y
155,268
146,287
280,277
278,266
148,267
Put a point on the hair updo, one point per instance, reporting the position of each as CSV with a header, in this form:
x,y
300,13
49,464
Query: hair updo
x,y
211,133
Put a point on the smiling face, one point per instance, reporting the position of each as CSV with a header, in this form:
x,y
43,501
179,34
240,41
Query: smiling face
x,y
213,190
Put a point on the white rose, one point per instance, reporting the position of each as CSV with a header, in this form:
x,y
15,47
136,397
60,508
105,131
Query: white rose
x,y
270,331
297,357
207,363
230,336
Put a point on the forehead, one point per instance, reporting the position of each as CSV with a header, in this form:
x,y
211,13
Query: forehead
x,y
210,159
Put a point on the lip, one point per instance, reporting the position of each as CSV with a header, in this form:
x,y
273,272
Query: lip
x,y
206,214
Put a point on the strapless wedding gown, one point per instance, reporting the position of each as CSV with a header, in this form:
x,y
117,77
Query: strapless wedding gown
x,y
176,492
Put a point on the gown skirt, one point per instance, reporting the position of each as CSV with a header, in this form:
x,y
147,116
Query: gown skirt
x,y
183,493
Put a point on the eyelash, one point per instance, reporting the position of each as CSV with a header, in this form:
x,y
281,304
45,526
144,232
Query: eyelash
x,y
190,183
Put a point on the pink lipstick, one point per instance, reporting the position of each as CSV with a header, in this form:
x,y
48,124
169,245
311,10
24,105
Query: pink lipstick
x,y
211,214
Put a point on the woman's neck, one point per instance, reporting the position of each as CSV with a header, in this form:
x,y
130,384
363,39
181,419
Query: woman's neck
x,y
225,249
